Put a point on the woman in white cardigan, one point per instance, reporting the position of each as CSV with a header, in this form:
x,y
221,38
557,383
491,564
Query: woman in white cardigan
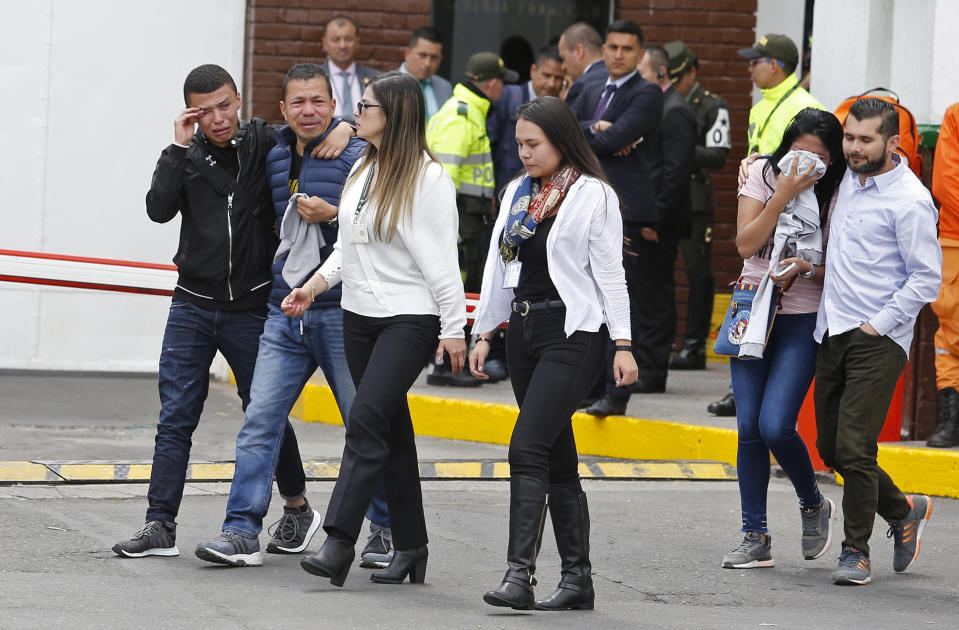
x,y
555,270
402,302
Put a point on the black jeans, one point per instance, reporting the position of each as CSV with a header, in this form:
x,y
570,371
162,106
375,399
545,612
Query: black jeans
x,y
550,374
385,355
652,306
856,376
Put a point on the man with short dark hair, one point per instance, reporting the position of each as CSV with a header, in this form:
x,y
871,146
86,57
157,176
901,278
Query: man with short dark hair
x,y
581,49
883,264
712,147
213,179
421,59
305,190
341,38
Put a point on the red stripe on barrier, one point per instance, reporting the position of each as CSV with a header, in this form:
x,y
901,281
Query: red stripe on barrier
x,y
85,285
86,259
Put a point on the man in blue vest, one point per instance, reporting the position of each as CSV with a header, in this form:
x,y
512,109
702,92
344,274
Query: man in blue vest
x,y
305,190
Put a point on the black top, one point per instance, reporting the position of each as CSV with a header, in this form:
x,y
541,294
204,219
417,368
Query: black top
x,y
296,165
534,280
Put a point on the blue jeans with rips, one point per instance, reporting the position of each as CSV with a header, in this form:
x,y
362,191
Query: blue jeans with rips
x,y
289,354
192,337
769,393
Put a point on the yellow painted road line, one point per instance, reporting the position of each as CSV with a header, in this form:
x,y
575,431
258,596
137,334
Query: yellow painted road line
x,y
22,472
86,472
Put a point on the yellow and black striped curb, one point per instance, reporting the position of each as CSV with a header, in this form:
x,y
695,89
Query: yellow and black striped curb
x,y
56,472
920,470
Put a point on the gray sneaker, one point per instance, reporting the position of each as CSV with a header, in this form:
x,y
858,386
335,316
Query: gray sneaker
x,y
817,529
853,568
293,532
232,549
377,553
752,553
157,538
907,532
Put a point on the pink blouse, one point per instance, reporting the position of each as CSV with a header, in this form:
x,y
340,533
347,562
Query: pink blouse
x,y
804,295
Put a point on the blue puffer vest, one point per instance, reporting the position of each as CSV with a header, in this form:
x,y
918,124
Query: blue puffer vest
x,y
318,178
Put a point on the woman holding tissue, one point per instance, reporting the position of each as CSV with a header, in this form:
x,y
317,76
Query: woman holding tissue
x,y
555,270
776,197
402,302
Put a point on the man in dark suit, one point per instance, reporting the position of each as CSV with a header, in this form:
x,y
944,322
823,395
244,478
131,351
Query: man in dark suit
x,y
581,48
340,40
618,113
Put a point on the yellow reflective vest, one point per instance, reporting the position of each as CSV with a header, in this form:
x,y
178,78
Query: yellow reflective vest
x,y
457,135
769,118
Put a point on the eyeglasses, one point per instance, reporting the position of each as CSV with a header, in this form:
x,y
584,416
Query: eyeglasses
x,y
361,106
753,62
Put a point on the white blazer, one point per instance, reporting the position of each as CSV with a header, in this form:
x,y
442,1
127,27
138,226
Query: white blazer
x,y
418,271
584,254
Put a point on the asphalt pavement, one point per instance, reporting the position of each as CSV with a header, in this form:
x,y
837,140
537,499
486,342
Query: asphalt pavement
x,y
656,546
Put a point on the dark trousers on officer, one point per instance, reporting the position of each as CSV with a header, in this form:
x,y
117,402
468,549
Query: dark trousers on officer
x,y
550,374
697,255
856,376
385,355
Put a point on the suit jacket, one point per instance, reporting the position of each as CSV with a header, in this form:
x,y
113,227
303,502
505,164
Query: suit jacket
x,y
672,150
596,70
501,129
364,73
442,89
635,111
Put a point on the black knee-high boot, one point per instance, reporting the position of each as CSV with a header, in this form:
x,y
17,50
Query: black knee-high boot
x,y
527,516
570,515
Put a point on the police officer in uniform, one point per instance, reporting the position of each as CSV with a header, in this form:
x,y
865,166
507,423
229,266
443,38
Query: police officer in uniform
x,y
457,136
712,146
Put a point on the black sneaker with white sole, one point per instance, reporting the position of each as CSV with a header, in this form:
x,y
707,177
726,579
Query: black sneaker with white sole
x,y
232,549
157,538
293,532
378,550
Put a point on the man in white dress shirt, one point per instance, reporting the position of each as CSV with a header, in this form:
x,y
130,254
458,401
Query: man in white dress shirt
x,y
883,263
340,40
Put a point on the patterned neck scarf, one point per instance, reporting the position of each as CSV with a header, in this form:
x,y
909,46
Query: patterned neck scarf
x,y
531,205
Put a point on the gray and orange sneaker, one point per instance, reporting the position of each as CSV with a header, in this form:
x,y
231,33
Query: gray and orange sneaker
x,y
907,532
854,568
752,553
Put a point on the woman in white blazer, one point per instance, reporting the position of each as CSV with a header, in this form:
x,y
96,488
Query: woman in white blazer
x,y
555,270
402,301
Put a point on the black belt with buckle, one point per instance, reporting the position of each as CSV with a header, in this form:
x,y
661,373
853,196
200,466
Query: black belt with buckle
x,y
525,307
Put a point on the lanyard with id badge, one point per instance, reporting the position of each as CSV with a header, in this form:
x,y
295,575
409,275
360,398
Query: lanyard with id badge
x,y
356,231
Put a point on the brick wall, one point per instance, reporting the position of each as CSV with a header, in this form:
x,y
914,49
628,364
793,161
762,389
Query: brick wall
x,y
714,31
281,33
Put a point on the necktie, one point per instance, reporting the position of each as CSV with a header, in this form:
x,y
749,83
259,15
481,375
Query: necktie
x,y
429,97
345,105
604,102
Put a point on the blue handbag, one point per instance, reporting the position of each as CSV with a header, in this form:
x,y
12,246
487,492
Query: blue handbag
x,y
733,329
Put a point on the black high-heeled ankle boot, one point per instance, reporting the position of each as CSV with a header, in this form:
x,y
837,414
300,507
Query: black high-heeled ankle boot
x,y
527,516
570,515
411,562
333,560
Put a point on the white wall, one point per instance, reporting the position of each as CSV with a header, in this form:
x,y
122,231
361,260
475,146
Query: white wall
x,y
784,17
90,91
907,46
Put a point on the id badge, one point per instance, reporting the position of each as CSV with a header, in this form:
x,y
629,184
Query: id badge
x,y
358,233
511,277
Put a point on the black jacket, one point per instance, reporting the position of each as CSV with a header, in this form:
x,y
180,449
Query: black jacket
x,y
671,165
227,240
576,89
635,111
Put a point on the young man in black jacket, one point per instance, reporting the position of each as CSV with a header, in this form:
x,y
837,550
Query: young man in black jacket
x,y
214,179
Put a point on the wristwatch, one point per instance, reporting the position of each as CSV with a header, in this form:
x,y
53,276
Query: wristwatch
x,y
808,275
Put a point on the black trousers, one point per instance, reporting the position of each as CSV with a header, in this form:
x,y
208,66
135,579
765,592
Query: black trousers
x,y
652,306
385,355
856,376
550,374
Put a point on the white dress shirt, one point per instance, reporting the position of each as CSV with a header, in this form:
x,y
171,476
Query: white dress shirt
x,y
417,273
345,102
883,262
584,255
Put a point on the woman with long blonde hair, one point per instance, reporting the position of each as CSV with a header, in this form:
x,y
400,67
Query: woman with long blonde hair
x,y
402,301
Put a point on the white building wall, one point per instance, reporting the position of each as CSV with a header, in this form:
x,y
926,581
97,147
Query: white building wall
x,y
784,17
90,91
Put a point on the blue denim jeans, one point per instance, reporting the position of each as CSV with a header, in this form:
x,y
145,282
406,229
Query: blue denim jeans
x,y
193,335
769,393
288,357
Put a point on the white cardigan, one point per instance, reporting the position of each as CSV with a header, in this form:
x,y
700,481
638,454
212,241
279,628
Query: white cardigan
x,y
584,254
417,273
